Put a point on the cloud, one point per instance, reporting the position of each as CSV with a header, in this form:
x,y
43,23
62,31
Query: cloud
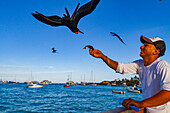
x,y
50,67
11,66
35,72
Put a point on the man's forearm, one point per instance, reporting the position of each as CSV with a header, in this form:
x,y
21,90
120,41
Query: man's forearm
x,y
160,98
111,63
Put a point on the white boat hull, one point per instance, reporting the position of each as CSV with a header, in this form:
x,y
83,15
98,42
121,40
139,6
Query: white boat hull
x,y
131,89
35,86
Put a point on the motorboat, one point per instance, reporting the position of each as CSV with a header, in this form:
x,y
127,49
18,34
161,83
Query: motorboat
x,y
115,84
124,84
134,90
66,85
120,92
94,84
35,86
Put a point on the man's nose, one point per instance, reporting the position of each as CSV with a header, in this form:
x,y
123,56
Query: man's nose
x,y
142,47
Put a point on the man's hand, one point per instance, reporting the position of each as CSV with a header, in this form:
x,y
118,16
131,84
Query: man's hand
x,y
96,53
127,102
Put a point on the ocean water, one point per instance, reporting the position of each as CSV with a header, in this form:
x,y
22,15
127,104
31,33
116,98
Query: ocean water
x,y
16,98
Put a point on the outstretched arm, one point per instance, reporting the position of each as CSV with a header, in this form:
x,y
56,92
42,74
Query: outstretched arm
x,y
98,54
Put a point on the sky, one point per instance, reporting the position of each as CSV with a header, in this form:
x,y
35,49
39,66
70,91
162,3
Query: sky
x,y
26,43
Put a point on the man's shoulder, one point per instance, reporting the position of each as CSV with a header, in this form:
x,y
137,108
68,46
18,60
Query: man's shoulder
x,y
162,63
139,61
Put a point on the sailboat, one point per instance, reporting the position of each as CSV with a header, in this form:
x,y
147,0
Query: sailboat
x,y
83,82
93,79
67,83
31,85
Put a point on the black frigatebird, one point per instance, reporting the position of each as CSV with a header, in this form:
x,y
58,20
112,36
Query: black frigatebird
x,y
66,20
53,50
114,34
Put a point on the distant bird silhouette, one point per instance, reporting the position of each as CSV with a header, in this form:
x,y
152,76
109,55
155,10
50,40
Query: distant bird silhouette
x,y
70,22
114,34
89,46
53,50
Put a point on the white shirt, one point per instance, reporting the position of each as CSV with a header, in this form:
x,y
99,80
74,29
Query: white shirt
x,y
154,78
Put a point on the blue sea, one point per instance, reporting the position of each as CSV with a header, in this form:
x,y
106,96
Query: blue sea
x,y
16,98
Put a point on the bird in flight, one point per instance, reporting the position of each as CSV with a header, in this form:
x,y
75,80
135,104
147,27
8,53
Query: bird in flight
x,y
53,50
114,34
66,20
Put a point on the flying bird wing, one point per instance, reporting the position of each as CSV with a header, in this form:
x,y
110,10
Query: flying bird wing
x,y
66,20
84,10
89,46
50,20
54,51
114,34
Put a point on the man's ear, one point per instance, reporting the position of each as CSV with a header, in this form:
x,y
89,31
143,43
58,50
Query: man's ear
x,y
157,51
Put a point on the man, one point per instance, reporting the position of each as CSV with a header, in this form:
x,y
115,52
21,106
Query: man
x,y
154,75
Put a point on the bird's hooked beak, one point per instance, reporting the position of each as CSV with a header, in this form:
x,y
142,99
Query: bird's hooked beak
x,y
78,32
81,32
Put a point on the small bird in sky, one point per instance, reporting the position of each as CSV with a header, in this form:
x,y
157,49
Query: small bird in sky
x,y
89,46
53,50
66,20
114,34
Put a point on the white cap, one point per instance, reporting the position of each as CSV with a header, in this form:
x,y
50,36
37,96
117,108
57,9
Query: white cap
x,y
155,39
157,42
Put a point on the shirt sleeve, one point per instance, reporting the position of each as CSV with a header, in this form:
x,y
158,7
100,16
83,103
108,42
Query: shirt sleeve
x,y
128,68
164,72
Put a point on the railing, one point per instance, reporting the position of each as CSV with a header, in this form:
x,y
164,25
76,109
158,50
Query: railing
x,y
122,110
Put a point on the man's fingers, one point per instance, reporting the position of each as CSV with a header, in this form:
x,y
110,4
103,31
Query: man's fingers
x,y
127,102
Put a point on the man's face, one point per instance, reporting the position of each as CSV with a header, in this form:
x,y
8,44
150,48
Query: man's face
x,y
147,50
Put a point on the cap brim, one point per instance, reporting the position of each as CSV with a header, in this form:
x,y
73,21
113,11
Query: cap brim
x,y
144,39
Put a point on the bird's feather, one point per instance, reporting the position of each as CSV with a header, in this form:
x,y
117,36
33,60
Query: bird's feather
x,y
75,11
50,20
68,15
85,10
